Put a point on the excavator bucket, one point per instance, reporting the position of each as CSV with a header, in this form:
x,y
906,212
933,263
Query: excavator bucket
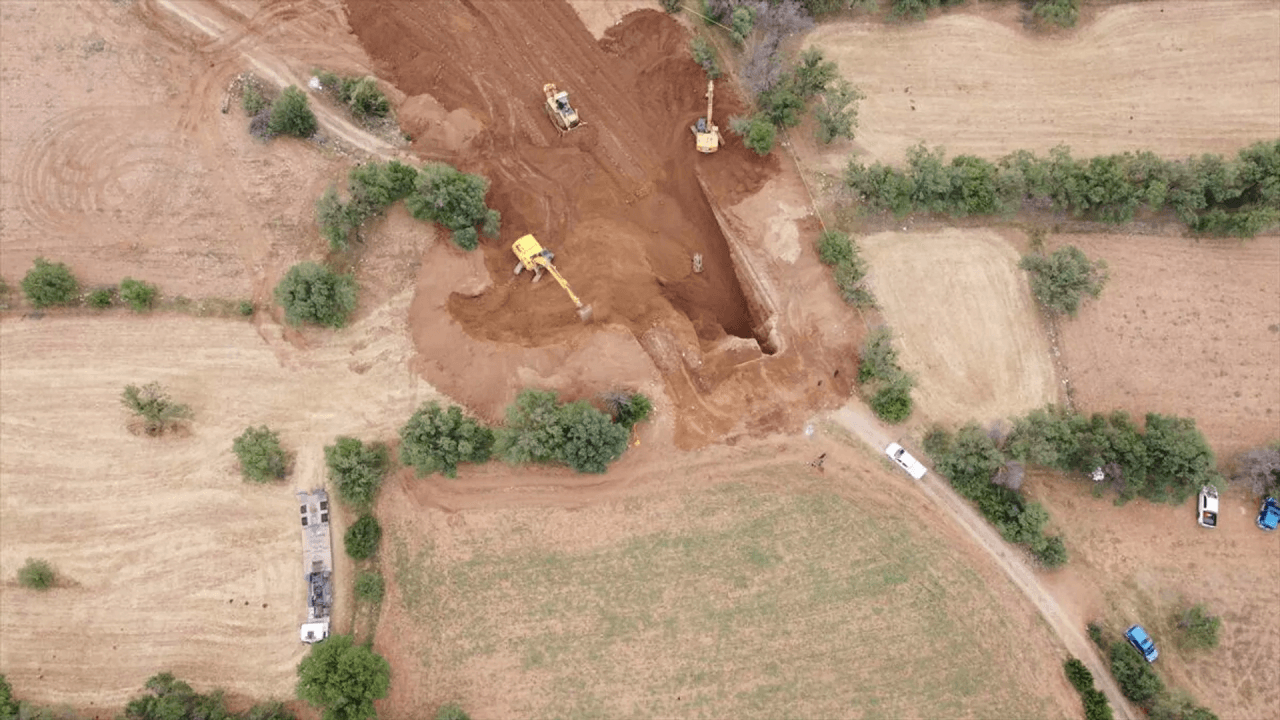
x,y
585,313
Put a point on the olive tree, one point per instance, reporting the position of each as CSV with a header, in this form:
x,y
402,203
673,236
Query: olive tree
x,y
47,284
436,440
1062,279
262,459
291,114
343,678
312,293
357,469
154,408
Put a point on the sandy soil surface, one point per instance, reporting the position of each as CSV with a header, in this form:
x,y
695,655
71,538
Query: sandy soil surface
x,y
1138,564
964,322
734,581
1177,78
1183,327
173,562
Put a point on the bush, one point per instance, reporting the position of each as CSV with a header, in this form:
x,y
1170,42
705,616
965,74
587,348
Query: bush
x,y
879,359
262,459
356,469
704,53
47,284
834,247
313,293
451,198
169,698
436,440
1197,629
757,133
363,537
1258,469
343,678
1051,551
260,125
591,439
369,587
892,402
453,711
100,298
837,115
37,575
252,101
1137,680
627,409
291,114
672,7
151,404
363,97
141,296
1095,634
1078,675
1060,280
1096,706
1062,13
8,706
245,308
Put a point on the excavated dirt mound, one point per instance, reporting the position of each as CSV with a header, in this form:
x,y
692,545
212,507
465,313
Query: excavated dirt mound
x,y
620,201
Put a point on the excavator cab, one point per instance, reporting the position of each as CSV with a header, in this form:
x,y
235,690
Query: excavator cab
x,y
705,133
535,258
562,114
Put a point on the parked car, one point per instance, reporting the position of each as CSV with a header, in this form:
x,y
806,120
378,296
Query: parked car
x,y
1139,638
1269,514
1208,507
905,461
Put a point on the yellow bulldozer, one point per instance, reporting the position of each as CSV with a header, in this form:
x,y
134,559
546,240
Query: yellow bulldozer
x,y
562,114
535,258
705,132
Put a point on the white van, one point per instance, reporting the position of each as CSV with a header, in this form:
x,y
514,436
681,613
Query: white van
x,y
905,461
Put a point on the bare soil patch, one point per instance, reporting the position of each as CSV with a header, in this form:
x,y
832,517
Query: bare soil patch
x,y
1184,327
1176,78
964,321
1137,563
735,582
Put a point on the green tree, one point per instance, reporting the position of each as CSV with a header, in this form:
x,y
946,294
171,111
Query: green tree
x,y
37,574
628,409
312,293
1179,457
704,53
757,133
269,711
1197,629
363,97
262,459
1078,675
100,298
892,402
370,587
356,469
343,678
8,706
1060,280
591,439
451,198
291,114
879,359
251,100
47,284
436,440
363,537
153,406
1133,673
834,247
141,296
453,711
837,115
335,219
534,431
1062,13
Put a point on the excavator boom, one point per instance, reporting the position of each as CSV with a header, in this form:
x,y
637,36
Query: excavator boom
x,y
533,257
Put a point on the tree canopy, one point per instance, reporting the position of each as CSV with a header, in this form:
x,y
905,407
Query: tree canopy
x,y
454,199
291,114
343,678
262,459
47,284
363,537
1062,279
436,440
312,293
153,406
357,469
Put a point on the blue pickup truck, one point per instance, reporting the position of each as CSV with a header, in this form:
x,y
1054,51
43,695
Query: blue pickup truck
x,y
1269,514
1139,638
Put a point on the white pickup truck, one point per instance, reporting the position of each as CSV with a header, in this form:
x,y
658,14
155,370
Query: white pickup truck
x,y
1207,506
899,455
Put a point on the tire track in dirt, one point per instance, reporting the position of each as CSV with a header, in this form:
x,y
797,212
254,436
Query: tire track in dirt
x,y
856,418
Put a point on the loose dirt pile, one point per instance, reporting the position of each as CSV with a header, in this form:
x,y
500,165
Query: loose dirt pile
x,y
618,200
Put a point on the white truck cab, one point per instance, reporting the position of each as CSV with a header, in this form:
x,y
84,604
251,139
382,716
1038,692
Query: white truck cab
x,y
1207,507
904,460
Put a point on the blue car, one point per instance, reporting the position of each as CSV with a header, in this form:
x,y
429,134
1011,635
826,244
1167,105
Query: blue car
x,y
1269,515
1139,638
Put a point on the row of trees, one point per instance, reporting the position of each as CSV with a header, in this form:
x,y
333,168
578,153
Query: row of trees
x,y
978,470
879,371
1096,706
166,698
1212,195
538,429
52,284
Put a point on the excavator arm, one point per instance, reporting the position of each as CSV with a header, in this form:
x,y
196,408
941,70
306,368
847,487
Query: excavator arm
x,y
560,279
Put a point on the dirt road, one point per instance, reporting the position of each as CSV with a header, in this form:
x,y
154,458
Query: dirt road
x,y
857,419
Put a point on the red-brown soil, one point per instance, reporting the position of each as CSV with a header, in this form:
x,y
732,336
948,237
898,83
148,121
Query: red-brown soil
x,y
618,200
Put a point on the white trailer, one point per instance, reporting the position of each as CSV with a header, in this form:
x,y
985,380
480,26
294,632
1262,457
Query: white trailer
x,y
317,564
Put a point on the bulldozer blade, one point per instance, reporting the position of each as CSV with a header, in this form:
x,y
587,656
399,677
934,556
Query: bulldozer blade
x,y
584,313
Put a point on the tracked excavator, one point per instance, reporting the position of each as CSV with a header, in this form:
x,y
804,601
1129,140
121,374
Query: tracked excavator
x,y
705,133
562,114
535,258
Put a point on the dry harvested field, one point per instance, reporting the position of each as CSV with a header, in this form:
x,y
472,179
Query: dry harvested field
x,y
1139,562
174,562
964,322
738,582
1176,78
1183,327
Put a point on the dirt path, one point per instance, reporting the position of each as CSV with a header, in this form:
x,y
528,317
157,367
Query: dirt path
x,y
857,419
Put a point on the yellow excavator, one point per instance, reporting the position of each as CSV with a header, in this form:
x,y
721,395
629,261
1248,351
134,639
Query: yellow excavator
x,y
562,114
535,258
705,132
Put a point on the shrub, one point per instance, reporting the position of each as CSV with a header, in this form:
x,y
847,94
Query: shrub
x,y
879,359
262,459
1096,706
291,114
837,115
252,101
153,406
1060,280
37,575
8,706
672,7
363,537
343,678
369,587
245,308
141,296
356,469
1258,469
466,238
168,698
100,298
451,198
591,439
1078,675
436,440
757,133
47,284
1050,550
313,293
1179,457
453,711
1137,680
892,402
335,220
1095,634
704,53
1197,629
742,19
627,409
260,125
834,247
533,431
1062,13
363,97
